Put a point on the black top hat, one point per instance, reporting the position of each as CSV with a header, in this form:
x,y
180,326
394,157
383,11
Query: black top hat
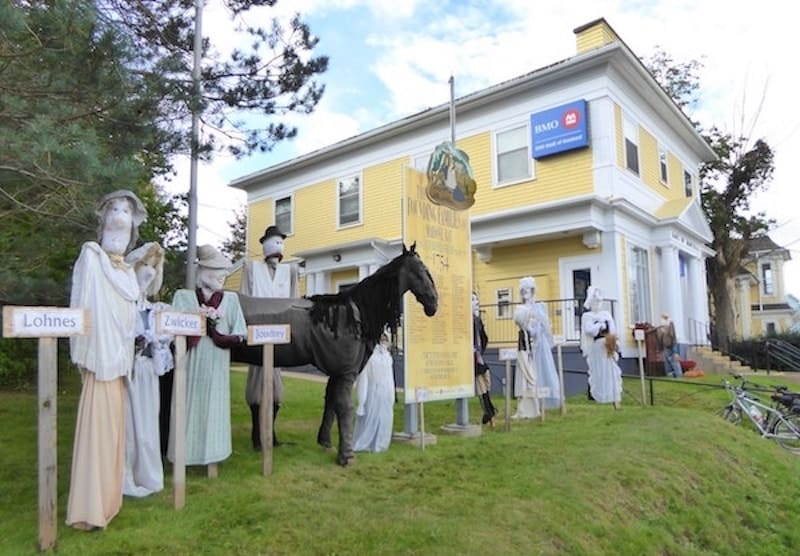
x,y
271,231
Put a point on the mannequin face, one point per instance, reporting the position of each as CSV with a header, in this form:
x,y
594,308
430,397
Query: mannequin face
x,y
145,274
476,305
272,246
528,294
119,215
212,279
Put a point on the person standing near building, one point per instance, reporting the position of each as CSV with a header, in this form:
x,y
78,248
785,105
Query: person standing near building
x,y
599,347
668,346
267,278
105,286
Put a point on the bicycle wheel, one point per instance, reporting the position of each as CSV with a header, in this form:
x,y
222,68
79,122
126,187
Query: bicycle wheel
x,y
787,433
732,414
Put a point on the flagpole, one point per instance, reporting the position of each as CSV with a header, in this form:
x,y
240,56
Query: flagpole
x,y
452,110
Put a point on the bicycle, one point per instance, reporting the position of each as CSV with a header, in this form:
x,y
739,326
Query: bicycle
x,y
775,422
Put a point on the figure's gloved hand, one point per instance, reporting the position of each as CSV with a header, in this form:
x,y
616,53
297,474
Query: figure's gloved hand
x,y
224,341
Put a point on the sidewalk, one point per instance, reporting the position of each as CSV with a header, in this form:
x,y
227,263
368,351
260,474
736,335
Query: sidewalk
x,y
310,375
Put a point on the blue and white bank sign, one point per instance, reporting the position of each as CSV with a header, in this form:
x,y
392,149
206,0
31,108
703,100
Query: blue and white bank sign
x,y
560,129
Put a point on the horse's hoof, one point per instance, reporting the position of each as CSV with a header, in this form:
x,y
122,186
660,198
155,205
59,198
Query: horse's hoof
x,y
325,445
346,461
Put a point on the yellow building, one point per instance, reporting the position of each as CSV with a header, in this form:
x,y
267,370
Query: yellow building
x,y
586,173
761,302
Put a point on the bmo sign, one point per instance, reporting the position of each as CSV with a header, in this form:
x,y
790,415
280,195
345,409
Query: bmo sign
x,y
559,129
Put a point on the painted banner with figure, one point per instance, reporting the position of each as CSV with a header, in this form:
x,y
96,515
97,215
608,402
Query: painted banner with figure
x,y
438,349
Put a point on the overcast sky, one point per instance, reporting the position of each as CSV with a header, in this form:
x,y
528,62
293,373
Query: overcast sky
x,y
393,58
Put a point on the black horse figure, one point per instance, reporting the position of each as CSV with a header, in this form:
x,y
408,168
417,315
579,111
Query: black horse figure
x,y
337,333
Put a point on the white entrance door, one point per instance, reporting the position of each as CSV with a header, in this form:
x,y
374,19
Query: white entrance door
x,y
575,277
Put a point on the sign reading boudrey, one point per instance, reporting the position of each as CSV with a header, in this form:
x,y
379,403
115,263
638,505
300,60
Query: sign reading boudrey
x,y
559,129
438,349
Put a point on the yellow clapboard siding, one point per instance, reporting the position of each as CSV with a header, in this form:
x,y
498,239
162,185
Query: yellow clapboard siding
x,y
594,36
347,276
620,134
259,216
648,160
557,177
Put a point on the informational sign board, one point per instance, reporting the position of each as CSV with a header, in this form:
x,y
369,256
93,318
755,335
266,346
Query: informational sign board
x,y
180,324
43,322
438,349
258,334
507,354
559,129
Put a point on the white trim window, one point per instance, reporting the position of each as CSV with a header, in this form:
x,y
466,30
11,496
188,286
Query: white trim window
x,y
639,285
767,279
662,166
420,162
283,215
512,158
631,145
503,298
770,328
688,187
348,201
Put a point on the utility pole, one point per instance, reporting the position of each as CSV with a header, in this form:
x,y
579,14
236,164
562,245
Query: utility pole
x,y
191,251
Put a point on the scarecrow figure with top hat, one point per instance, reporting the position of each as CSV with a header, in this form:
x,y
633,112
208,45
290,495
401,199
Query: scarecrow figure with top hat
x,y
268,277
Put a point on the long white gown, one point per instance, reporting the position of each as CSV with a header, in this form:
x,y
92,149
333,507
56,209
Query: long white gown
x,y
144,472
375,410
605,376
536,368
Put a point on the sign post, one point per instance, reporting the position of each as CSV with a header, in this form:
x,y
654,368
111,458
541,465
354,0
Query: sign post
x,y
559,341
267,335
47,324
179,325
638,335
507,355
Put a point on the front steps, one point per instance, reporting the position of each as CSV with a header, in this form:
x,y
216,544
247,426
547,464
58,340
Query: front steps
x,y
713,362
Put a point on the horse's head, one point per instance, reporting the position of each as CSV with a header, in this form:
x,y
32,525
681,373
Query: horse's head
x,y
416,278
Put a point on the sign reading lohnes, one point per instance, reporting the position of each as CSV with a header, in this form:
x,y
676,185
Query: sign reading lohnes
x,y
438,350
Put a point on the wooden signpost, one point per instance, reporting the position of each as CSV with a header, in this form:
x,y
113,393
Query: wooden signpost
x,y
179,325
267,335
48,324
508,355
559,341
638,335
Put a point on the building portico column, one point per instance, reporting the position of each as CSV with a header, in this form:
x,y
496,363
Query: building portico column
x,y
697,313
671,290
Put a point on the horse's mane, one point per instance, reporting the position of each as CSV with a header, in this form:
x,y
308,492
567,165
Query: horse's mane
x,y
377,298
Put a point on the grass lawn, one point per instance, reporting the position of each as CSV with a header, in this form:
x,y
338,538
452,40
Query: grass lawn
x,y
670,479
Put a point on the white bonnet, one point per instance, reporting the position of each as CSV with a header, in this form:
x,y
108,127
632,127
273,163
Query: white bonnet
x,y
209,257
528,282
592,293
153,254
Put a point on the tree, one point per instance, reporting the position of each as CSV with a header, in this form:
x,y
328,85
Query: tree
x,y
97,95
235,247
273,77
727,186
743,168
